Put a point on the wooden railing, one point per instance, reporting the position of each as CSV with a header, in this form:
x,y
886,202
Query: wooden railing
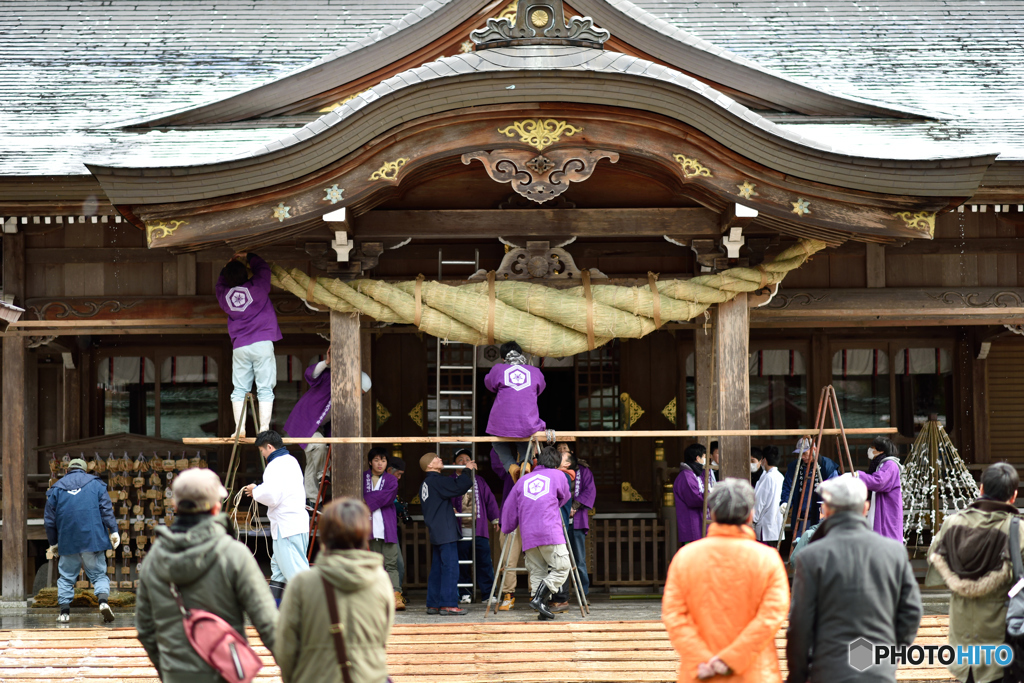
x,y
629,551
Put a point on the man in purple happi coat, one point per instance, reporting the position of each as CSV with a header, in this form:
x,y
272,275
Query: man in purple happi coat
x,y
584,495
311,417
514,413
688,491
884,488
252,325
379,492
515,549
534,508
487,513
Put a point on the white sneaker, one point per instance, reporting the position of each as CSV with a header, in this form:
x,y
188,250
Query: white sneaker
x,y
492,600
64,617
108,614
466,599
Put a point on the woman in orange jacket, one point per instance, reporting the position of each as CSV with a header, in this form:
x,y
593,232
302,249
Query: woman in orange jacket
x,y
726,597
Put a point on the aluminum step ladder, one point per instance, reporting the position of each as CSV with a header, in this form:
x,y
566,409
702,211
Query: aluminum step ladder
x,y
455,403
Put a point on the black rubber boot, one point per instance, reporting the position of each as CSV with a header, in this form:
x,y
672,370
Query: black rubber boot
x,y
277,590
540,602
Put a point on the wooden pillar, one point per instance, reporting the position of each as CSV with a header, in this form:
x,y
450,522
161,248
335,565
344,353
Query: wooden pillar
x,y
703,380
12,383
346,405
732,374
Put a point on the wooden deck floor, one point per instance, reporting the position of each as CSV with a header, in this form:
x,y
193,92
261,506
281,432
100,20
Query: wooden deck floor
x,y
580,652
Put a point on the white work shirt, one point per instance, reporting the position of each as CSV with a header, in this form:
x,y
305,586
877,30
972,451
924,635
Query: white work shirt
x,y
767,495
285,497
377,517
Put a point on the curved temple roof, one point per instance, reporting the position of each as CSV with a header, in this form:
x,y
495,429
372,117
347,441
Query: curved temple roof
x,y
523,75
673,45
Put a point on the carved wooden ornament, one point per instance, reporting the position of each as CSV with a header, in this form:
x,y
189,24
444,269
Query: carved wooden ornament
x,y
540,177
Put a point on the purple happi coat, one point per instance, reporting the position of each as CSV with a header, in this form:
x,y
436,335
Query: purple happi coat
x,y
533,507
506,478
383,500
689,494
884,483
487,506
584,493
313,408
251,316
514,412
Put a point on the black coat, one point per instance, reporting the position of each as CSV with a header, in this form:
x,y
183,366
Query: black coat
x,y
849,583
436,498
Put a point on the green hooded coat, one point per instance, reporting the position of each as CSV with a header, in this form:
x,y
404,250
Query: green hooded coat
x,y
213,572
366,610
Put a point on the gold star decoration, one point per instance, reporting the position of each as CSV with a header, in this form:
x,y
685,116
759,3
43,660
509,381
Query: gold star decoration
x,y
281,212
466,46
747,190
333,194
800,206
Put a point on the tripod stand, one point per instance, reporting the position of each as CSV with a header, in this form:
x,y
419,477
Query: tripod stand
x,y
828,406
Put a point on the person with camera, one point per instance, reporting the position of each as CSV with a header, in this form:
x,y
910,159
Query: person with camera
x,y
534,507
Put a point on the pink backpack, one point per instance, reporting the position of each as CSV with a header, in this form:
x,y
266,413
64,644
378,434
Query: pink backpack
x,y
220,645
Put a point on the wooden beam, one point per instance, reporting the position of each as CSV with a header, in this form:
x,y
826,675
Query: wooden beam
x,y
186,274
875,265
706,406
366,361
902,307
346,405
566,436
732,374
472,224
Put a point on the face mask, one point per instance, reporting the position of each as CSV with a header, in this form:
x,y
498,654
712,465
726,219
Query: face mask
x,y
755,466
872,454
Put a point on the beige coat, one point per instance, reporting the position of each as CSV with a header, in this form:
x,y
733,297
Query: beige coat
x,y
366,608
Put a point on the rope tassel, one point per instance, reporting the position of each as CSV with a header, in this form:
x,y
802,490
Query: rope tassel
x,y
545,321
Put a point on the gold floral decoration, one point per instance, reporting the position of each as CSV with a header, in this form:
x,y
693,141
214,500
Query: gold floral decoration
x,y
281,212
921,220
164,229
389,171
691,167
540,133
509,12
539,18
416,414
467,46
747,190
669,411
630,494
631,410
801,207
382,414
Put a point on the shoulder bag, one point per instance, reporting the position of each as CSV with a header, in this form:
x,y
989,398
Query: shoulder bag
x,y
218,643
338,633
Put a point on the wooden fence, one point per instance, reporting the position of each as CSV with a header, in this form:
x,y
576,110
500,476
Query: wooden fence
x,y
627,551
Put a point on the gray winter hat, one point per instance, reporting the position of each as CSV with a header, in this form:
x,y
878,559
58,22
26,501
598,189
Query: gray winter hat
x,y
845,492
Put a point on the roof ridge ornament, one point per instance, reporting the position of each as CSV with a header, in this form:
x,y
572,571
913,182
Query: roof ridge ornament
x,y
540,22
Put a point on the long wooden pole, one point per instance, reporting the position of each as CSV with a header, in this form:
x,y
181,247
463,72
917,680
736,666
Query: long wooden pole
x,y
562,436
347,462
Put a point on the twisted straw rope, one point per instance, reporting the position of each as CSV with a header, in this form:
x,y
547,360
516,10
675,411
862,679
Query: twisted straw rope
x,y
545,321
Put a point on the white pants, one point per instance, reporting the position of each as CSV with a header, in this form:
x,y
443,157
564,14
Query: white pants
x,y
315,454
548,563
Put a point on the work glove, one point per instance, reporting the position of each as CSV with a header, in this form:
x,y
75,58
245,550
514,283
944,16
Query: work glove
x,y
115,540
51,552
783,508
